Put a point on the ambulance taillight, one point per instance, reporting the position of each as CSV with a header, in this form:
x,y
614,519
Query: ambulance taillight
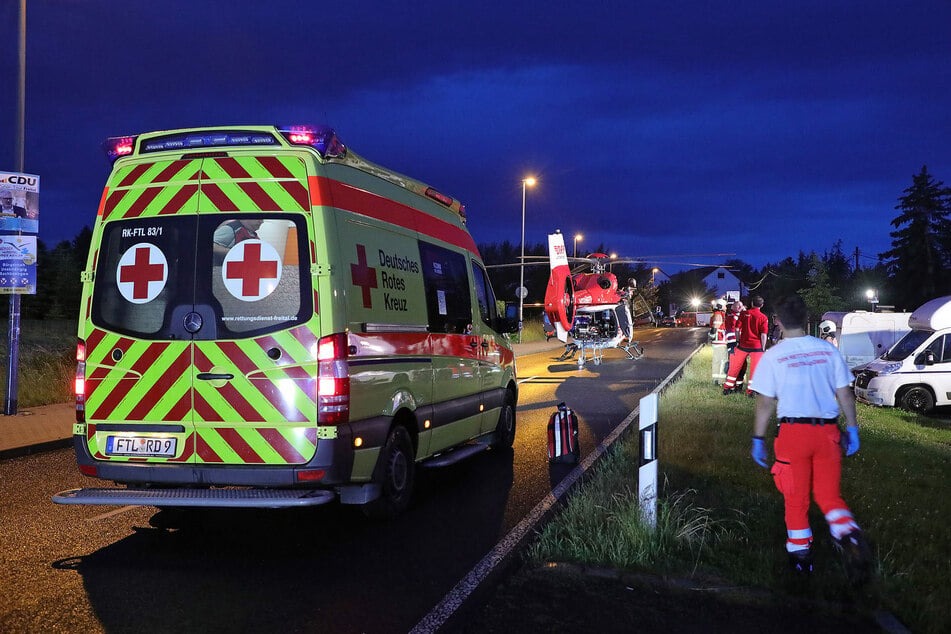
x,y
333,380
80,384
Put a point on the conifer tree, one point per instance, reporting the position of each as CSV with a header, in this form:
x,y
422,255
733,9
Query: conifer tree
x,y
919,255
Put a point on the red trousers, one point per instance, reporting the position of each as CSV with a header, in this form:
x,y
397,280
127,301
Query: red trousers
x,y
809,460
737,359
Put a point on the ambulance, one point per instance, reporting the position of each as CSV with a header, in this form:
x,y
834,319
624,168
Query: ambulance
x,y
270,320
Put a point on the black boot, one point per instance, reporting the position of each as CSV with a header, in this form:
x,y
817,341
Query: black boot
x,y
800,561
856,556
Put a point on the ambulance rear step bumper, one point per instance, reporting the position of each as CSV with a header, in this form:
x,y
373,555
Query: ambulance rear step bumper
x,y
229,498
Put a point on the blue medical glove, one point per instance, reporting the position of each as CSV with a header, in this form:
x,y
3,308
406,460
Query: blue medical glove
x,y
759,451
851,442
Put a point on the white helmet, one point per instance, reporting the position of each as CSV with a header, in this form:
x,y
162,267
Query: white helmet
x,y
721,304
827,327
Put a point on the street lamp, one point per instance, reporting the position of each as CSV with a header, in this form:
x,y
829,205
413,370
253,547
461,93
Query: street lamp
x,y
653,270
13,350
872,296
578,237
526,182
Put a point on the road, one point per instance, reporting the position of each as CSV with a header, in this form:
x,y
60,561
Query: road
x,y
323,569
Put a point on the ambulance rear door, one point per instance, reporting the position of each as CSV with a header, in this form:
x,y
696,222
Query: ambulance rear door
x,y
201,349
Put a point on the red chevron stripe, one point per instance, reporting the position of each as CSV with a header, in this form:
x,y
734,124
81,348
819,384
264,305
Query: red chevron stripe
x,y
241,405
274,165
217,197
232,167
268,342
245,410
178,201
134,175
204,451
306,337
287,451
143,201
188,448
93,340
240,445
259,197
180,409
171,170
205,411
119,391
298,192
160,388
266,387
113,200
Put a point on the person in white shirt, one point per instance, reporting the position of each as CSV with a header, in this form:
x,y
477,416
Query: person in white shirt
x,y
805,381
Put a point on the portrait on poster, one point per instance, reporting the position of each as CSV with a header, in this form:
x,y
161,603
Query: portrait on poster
x,y
19,203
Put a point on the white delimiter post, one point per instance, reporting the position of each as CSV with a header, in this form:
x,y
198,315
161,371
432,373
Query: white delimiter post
x,y
647,471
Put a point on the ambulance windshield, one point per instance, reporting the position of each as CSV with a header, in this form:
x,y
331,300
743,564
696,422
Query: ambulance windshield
x,y
213,276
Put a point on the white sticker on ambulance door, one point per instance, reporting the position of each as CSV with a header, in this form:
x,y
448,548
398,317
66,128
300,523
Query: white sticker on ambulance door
x,y
251,270
142,273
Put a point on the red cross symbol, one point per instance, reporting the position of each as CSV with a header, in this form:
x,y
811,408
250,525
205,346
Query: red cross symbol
x,y
363,276
141,272
251,270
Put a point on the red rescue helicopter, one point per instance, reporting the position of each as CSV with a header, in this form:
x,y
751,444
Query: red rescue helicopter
x,y
590,306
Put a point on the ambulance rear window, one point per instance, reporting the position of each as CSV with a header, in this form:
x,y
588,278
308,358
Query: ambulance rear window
x,y
210,276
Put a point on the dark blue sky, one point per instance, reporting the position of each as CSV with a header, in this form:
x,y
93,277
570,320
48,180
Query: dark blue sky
x,y
756,128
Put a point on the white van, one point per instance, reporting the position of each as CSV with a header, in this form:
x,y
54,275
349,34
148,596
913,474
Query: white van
x,y
863,336
915,373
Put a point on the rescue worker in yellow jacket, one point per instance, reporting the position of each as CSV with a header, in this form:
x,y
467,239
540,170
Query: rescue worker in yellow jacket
x,y
718,341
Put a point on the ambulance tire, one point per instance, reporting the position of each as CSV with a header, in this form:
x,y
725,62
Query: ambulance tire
x,y
917,399
397,474
505,429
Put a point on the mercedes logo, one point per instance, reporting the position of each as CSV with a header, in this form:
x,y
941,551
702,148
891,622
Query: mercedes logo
x,y
193,322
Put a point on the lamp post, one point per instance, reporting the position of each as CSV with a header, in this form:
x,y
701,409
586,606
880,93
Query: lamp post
x,y
872,296
578,237
526,182
13,352
653,270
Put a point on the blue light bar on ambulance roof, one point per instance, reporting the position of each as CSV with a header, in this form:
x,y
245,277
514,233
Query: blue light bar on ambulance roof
x,y
322,138
118,146
192,140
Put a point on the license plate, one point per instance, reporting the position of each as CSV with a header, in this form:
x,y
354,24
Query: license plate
x,y
140,446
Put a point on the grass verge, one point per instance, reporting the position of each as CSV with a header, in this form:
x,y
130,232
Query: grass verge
x,y
720,516
47,362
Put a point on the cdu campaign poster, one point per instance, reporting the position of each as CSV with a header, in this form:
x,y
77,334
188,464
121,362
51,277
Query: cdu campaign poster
x,y
19,203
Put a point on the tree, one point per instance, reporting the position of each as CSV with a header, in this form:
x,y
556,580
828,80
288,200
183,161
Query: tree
x,y
920,252
820,295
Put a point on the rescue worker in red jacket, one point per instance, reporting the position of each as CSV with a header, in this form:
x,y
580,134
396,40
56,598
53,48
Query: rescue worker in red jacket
x,y
721,358
754,326
805,381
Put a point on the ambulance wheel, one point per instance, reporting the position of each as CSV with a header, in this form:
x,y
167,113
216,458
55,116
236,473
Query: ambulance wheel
x,y
917,399
396,475
505,430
